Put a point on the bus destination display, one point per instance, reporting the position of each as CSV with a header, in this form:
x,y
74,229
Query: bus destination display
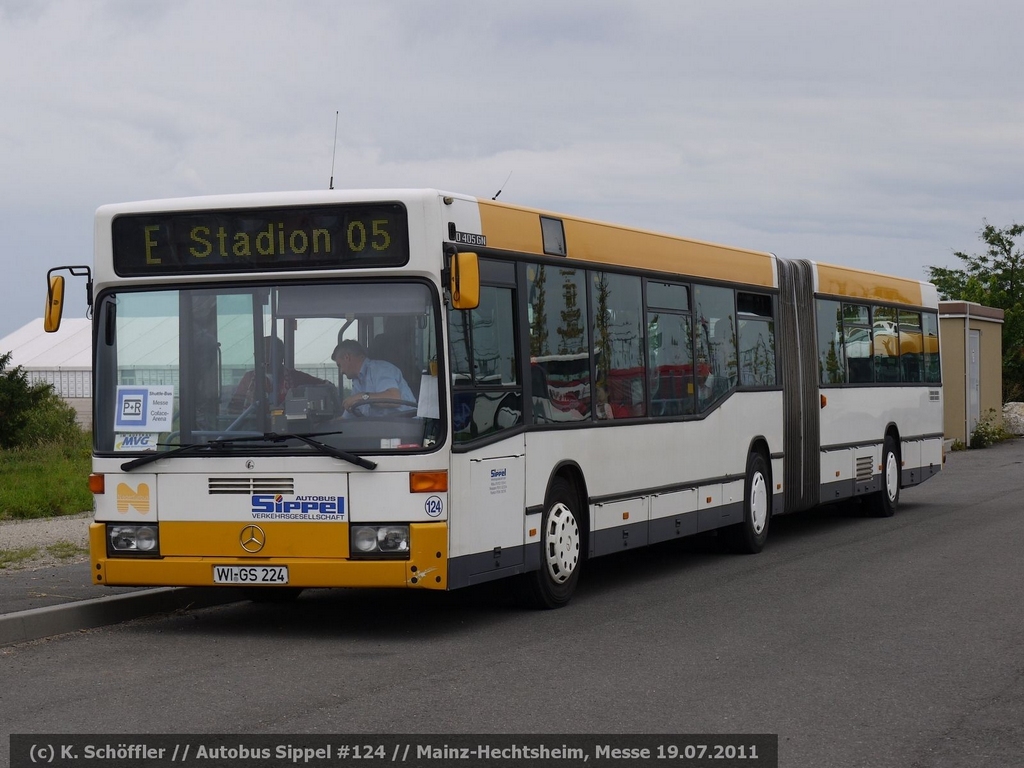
x,y
262,239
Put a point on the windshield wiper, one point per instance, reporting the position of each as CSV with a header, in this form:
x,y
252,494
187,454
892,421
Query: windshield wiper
x,y
324,448
266,437
149,458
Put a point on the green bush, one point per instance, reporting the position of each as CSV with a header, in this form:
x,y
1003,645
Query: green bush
x,y
32,414
51,421
988,431
17,398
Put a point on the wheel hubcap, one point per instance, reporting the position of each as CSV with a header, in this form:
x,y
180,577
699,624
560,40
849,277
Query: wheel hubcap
x,y
758,503
891,476
561,543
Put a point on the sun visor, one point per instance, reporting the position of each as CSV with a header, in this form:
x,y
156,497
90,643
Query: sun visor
x,y
352,299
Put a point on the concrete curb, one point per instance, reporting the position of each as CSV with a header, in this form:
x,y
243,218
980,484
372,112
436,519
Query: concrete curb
x,y
85,614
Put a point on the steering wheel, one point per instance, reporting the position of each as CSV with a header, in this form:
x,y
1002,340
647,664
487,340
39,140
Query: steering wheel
x,y
355,409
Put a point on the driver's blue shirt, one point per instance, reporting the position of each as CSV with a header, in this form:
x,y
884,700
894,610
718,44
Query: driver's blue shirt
x,y
378,376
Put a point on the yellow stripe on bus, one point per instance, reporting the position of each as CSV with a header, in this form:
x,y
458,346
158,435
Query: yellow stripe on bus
x,y
860,284
511,229
614,245
516,229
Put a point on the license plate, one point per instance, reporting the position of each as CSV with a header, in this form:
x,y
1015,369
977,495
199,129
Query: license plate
x,y
250,574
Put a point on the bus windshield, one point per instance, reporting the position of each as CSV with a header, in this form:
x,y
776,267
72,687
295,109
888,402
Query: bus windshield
x,y
352,363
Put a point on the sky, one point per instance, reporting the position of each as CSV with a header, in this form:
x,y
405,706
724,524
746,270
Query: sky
x,y
874,134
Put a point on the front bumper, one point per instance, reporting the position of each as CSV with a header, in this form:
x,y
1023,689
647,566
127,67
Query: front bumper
x,y
426,568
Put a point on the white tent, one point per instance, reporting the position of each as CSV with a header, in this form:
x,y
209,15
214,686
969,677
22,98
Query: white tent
x,y
63,359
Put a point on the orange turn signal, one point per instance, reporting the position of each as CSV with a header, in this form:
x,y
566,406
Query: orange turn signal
x,y
428,482
96,484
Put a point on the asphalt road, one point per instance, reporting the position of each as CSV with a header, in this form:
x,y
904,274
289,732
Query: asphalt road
x,y
861,642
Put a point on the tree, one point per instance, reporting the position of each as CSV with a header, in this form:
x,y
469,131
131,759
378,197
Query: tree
x,y
17,399
995,279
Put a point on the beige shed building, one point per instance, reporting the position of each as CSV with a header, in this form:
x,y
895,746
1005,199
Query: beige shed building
x,y
972,365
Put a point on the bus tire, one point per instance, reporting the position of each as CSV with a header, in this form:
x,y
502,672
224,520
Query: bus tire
x,y
885,502
561,541
749,536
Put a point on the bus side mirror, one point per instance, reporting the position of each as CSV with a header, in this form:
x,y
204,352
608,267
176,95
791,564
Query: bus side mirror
x,y
465,280
54,303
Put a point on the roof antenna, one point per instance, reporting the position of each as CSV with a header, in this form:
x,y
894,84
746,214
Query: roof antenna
x,y
335,153
502,186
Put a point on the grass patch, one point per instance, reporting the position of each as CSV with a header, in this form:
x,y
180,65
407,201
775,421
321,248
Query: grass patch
x,y
65,550
46,480
14,556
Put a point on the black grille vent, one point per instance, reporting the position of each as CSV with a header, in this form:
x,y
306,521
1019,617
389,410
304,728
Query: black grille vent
x,y
247,486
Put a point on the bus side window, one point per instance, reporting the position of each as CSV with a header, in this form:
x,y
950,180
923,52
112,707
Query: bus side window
x,y
559,344
616,302
911,347
716,330
829,316
857,344
756,340
930,342
885,346
670,359
487,397
671,363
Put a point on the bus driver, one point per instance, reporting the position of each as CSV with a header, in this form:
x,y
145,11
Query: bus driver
x,y
371,380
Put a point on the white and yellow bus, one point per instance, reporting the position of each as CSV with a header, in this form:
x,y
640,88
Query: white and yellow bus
x,y
574,389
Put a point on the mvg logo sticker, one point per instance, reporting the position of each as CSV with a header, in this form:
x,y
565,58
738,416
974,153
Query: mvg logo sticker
x,y
135,441
133,498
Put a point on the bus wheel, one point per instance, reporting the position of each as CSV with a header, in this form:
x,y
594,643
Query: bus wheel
x,y
748,537
884,503
561,550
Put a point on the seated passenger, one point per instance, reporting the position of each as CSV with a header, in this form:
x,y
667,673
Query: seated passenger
x,y
276,371
371,380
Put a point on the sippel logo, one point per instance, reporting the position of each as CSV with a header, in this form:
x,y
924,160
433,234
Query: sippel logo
x,y
128,497
265,504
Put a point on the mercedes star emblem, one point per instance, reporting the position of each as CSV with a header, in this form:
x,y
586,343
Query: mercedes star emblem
x,y
252,539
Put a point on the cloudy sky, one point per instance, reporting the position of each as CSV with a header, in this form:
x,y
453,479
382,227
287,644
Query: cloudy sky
x,y
878,134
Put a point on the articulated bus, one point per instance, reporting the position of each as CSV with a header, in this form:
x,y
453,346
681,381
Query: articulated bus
x,y
559,389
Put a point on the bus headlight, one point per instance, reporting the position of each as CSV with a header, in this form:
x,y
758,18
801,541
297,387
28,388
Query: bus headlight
x,y
379,541
133,540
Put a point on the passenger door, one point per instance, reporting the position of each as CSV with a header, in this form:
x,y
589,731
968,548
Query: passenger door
x,y
487,487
